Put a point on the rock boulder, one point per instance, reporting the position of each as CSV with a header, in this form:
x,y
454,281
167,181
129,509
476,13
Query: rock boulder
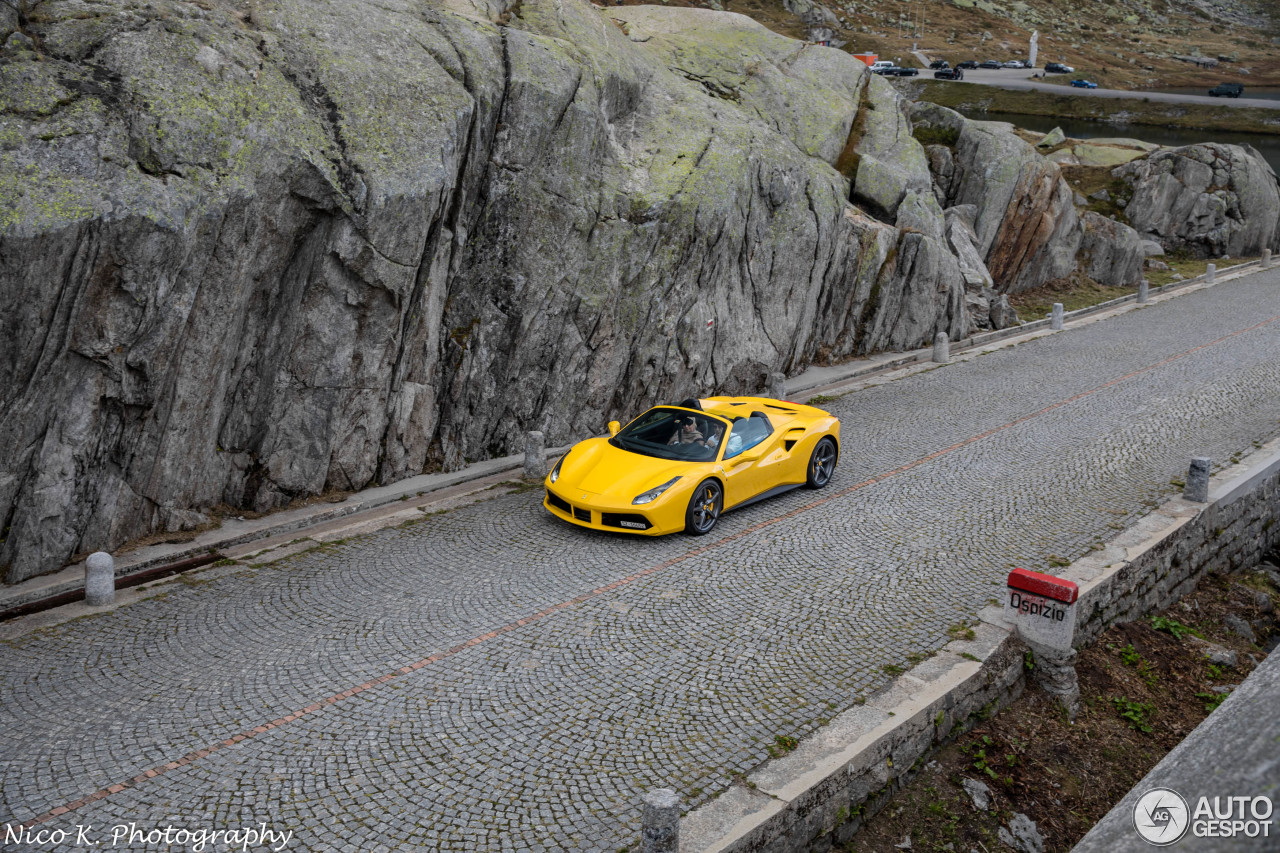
x,y
1026,224
1209,199
1111,252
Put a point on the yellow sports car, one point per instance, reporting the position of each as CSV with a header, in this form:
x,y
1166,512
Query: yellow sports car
x,y
679,467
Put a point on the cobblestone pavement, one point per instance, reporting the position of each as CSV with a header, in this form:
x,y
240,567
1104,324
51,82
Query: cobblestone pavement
x,y
493,679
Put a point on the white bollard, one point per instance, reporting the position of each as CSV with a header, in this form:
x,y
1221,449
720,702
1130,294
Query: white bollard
x,y
535,456
1144,290
99,580
1055,323
1197,488
1210,273
1266,259
660,822
777,386
941,348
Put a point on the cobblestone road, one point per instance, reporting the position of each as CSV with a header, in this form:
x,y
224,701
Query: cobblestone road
x,y
492,679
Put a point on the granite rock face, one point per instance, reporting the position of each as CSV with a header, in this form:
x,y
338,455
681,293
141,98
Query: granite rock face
x,y
890,163
251,256
1111,252
255,254
1026,225
1208,199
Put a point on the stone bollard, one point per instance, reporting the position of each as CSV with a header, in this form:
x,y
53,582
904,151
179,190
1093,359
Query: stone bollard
x,y
1055,672
99,580
660,822
1266,259
777,386
1197,488
1055,322
1144,290
1210,272
535,456
941,348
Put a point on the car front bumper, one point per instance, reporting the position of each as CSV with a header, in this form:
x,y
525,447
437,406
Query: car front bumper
x,y
599,515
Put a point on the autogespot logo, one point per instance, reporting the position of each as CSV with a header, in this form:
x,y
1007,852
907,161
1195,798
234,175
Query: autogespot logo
x,y
1161,816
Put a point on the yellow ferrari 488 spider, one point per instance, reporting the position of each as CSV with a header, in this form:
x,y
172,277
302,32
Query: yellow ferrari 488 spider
x,y
679,467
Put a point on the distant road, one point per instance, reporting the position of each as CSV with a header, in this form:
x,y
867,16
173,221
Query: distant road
x,y
1020,79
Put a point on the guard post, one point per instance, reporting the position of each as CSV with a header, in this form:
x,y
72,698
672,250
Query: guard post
x,y
1043,609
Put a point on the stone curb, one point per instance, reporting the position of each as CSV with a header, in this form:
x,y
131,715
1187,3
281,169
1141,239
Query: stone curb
x,y
236,532
847,771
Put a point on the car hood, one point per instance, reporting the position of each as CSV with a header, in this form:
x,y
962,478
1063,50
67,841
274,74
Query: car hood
x,y
597,467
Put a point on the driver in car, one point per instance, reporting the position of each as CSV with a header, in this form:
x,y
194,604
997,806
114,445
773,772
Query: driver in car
x,y
687,433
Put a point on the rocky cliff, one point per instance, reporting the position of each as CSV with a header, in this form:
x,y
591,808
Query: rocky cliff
x,y
253,252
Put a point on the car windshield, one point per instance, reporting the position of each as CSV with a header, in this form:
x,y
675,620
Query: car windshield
x,y
672,434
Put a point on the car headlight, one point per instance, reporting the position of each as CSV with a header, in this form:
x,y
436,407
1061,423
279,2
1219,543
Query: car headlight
x,y
555,472
655,493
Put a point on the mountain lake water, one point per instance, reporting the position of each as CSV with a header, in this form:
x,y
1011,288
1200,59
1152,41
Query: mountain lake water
x,y
1268,145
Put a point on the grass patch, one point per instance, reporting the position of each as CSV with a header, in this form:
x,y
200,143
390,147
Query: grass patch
x,y
1189,268
1073,294
1136,714
929,135
1173,627
1212,700
782,744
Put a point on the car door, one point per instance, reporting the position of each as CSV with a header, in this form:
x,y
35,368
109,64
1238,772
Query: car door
x,y
752,459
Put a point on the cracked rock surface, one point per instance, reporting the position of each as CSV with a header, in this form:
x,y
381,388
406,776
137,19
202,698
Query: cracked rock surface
x,y
250,254
1206,199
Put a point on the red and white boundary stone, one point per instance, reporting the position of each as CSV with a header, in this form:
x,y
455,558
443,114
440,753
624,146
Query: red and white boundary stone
x,y
1043,608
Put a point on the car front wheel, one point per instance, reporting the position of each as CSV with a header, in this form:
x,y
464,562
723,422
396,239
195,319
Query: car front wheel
x,y
822,463
704,508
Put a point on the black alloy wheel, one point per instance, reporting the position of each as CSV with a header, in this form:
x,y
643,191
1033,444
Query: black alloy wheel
x,y
822,463
704,508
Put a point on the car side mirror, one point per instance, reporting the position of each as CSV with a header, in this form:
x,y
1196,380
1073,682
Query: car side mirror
x,y
614,426
747,456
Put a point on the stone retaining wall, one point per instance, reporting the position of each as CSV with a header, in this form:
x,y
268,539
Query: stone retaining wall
x,y
1159,560
818,797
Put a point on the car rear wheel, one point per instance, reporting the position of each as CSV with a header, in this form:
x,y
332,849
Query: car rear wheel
x,y
704,508
822,463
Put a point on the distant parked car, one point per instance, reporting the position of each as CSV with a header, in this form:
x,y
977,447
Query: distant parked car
x,y
1058,68
1015,63
906,71
968,63
1227,90
991,63
939,64
1084,84
949,74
